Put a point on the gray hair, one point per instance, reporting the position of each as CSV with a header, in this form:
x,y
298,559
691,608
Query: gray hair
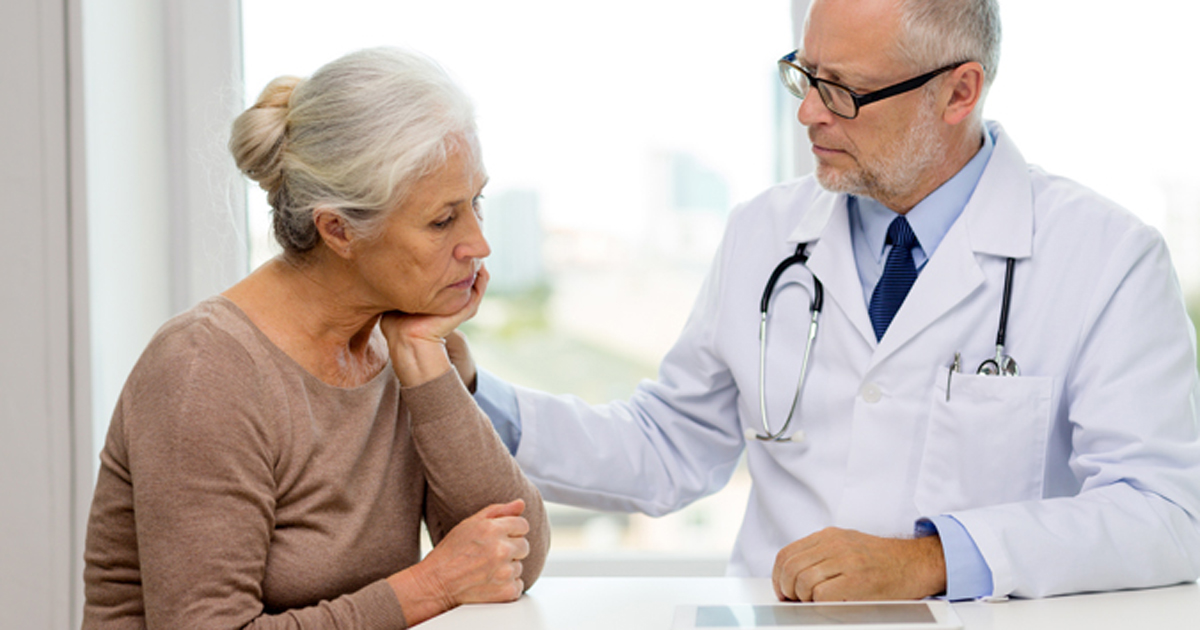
x,y
353,138
935,33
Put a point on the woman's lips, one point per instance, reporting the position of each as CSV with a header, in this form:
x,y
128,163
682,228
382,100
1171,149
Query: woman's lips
x,y
464,283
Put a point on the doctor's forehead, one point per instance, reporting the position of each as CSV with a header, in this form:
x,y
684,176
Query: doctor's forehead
x,y
850,40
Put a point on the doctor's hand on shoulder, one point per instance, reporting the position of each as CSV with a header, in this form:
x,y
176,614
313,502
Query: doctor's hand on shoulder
x,y
844,565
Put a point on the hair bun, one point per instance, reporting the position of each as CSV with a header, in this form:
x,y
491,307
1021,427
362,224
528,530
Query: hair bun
x,y
259,134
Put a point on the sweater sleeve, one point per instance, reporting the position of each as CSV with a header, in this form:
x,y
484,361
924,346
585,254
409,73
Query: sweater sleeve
x,y
468,467
186,496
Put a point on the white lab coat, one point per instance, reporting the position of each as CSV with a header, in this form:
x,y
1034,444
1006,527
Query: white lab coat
x,y
1081,474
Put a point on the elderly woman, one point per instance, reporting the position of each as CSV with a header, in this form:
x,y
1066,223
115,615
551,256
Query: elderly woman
x,y
276,447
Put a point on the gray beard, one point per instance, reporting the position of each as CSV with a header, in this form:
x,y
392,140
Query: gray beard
x,y
896,173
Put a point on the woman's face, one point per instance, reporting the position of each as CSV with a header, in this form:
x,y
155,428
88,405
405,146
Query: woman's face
x,y
432,246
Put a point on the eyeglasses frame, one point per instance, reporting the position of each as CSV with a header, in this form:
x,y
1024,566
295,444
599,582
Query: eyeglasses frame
x,y
858,99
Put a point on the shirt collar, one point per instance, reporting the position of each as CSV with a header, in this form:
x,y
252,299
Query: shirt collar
x,y
932,217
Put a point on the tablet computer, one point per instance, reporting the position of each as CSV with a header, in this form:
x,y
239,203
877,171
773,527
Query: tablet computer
x,y
922,615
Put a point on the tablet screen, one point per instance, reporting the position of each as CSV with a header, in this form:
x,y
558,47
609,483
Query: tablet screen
x,y
910,614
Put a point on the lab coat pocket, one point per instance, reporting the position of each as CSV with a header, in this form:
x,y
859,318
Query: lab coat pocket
x,y
986,445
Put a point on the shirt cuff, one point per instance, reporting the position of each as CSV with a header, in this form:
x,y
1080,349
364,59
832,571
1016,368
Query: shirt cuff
x,y
498,400
967,573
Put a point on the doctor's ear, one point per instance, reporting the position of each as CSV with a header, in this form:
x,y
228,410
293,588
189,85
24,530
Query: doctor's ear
x,y
334,231
962,92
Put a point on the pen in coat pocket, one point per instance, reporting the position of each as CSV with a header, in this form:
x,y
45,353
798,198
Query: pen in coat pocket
x,y
954,367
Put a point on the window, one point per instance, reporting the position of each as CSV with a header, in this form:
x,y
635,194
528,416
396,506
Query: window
x,y
617,136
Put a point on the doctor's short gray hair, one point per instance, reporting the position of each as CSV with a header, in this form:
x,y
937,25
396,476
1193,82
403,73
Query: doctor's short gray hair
x,y
934,33
353,138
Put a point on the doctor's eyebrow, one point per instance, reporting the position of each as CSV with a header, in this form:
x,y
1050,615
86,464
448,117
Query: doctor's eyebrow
x,y
851,82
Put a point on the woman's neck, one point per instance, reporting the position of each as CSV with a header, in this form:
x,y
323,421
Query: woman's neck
x,y
312,311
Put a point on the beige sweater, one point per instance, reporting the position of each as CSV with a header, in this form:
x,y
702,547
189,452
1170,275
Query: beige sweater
x,y
238,490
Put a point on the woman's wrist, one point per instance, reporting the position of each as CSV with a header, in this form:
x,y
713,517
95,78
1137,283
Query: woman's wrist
x,y
419,362
420,593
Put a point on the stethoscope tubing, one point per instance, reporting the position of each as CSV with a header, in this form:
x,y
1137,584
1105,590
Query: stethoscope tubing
x,y
816,303
1003,364
1002,329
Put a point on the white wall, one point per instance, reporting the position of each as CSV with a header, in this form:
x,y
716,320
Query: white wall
x,y
44,415
128,145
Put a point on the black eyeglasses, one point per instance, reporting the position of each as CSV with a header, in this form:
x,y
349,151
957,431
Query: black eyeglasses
x,y
840,99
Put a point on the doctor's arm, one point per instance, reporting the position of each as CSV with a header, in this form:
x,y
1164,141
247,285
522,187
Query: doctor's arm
x,y
495,397
1131,398
675,440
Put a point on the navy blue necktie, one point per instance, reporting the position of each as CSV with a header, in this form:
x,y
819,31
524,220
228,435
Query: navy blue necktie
x,y
899,273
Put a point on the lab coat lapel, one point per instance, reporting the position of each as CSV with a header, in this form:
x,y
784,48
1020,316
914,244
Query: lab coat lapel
x,y
826,226
947,279
997,220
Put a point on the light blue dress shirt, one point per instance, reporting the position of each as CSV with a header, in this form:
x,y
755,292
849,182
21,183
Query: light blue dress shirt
x,y
967,574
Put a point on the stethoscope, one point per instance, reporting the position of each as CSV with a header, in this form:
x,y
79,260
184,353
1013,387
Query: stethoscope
x,y
814,309
1001,365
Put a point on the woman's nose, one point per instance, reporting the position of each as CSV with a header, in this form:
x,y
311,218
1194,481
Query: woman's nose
x,y
474,244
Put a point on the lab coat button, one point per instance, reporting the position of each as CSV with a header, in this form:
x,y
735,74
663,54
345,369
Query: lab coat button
x,y
871,393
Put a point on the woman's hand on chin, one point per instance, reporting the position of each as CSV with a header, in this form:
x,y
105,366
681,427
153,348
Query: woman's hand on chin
x,y
417,342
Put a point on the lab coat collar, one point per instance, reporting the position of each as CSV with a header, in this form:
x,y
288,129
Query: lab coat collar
x,y
999,214
831,258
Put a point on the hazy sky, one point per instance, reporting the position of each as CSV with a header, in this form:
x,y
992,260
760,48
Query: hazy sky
x,y
1089,89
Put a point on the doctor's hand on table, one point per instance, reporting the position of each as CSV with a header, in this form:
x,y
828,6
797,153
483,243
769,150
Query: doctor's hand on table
x,y
841,564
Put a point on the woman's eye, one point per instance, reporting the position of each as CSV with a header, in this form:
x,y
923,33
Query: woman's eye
x,y
444,223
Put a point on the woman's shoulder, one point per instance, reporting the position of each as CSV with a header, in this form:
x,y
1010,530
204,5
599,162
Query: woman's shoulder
x,y
207,357
213,331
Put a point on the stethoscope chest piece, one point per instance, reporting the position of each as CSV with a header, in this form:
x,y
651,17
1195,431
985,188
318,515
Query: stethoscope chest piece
x,y
1002,365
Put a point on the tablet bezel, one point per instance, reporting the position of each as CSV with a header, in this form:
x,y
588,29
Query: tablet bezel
x,y
943,615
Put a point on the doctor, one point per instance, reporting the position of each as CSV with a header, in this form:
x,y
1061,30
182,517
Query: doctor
x,y
911,465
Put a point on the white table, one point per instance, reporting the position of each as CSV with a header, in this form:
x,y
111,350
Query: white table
x,y
574,603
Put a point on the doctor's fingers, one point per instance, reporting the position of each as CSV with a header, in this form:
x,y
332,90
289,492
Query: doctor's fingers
x,y
809,550
807,583
798,567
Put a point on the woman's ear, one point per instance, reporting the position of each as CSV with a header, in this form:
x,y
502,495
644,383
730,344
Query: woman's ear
x,y
331,225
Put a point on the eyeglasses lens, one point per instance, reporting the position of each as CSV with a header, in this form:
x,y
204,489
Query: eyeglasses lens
x,y
793,80
838,100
